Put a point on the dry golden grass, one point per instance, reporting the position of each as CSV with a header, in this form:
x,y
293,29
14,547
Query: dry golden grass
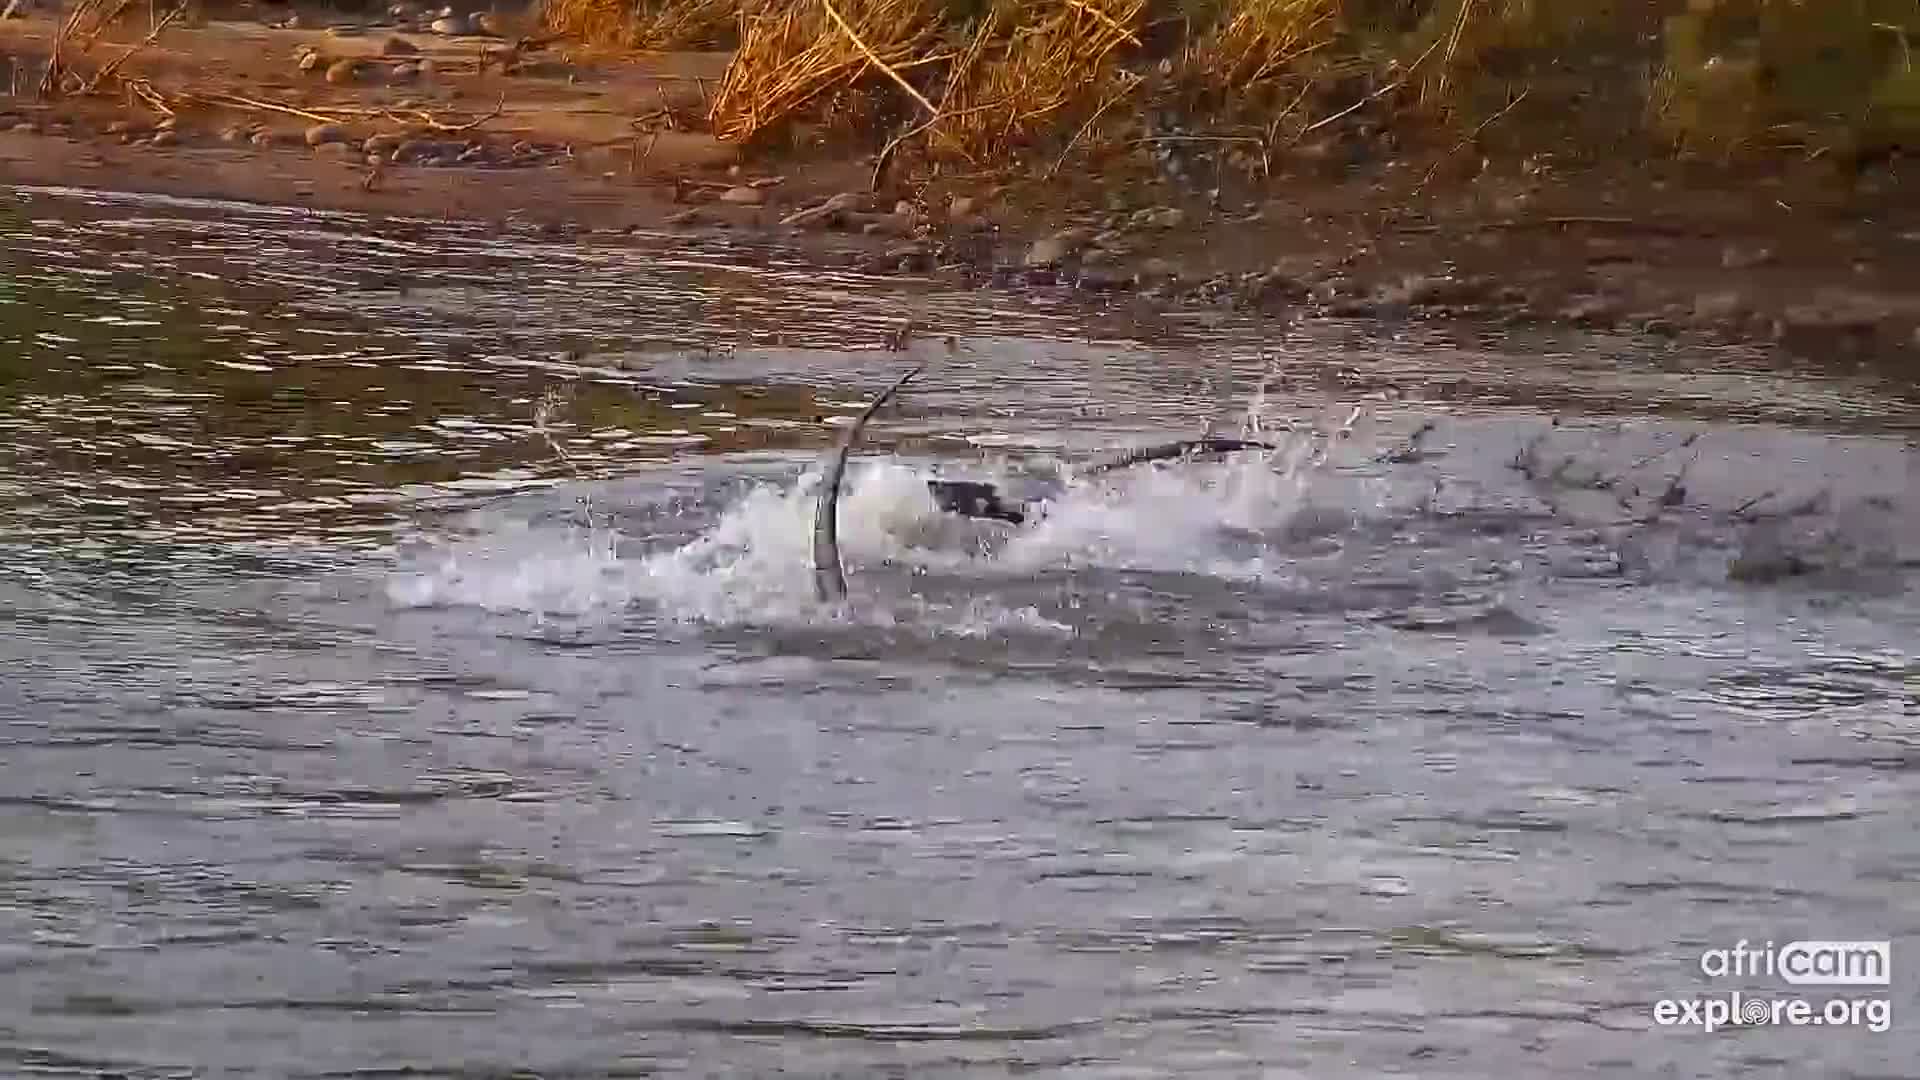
x,y
987,82
1031,66
1256,41
793,55
648,24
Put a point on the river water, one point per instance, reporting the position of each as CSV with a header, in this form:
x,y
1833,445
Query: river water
x,y
411,669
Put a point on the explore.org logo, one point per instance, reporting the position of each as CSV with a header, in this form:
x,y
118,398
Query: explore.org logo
x,y
1805,963
1797,963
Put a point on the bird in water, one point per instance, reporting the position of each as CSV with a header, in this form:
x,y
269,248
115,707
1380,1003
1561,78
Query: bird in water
x,y
965,498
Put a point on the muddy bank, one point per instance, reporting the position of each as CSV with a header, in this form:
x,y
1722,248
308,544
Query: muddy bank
x,y
400,116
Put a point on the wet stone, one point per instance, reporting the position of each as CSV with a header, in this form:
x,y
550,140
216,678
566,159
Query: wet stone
x,y
1051,250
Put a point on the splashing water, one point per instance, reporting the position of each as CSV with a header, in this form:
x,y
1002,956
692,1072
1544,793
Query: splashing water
x,y
750,565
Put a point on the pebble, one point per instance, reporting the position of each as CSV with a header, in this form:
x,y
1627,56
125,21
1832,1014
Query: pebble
x,y
1737,258
826,212
403,72
343,71
452,25
1050,250
262,138
426,151
398,46
1278,283
1165,217
1591,311
1101,279
743,196
1158,269
322,134
1437,289
1718,306
233,135
165,138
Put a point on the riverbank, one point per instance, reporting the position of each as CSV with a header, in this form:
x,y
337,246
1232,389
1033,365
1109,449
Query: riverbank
x,y
495,125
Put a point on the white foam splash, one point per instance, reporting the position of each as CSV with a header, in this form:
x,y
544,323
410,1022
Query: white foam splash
x,y
753,564
516,567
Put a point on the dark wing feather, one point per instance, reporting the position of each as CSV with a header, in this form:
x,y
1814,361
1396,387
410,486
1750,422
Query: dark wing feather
x,y
829,579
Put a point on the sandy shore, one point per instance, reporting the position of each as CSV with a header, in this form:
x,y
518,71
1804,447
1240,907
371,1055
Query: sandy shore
x,y
389,120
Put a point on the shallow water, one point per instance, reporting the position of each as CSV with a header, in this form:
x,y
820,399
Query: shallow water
x,y
412,669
